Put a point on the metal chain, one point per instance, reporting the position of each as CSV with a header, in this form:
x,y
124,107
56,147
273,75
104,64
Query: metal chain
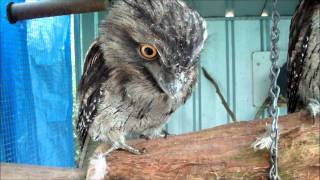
x,y
274,92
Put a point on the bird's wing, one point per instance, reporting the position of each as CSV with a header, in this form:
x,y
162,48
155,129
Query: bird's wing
x,y
300,30
95,72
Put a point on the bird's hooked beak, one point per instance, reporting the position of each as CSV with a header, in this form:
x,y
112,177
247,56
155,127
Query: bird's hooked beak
x,y
172,83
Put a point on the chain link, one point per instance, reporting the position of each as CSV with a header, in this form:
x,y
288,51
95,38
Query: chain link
x,y
274,92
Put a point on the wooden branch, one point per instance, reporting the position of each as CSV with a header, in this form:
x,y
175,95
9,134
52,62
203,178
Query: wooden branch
x,y
18,171
222,153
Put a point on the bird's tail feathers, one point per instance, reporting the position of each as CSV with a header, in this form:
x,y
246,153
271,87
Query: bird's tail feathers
x,y
83,152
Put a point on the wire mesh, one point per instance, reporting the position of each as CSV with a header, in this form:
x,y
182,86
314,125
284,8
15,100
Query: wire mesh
x,y
36,91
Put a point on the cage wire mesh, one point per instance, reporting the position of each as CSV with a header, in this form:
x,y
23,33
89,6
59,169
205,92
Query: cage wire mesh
x,y
36,91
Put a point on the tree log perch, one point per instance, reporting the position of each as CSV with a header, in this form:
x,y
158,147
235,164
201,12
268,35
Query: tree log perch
x,y
222,152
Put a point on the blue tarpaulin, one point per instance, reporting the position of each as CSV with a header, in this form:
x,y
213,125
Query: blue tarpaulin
x,y
36,91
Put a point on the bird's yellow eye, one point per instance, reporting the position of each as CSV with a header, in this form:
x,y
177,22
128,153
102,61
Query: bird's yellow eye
x,y
148,52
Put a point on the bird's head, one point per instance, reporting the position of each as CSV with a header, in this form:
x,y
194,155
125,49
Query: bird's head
x,y
161,38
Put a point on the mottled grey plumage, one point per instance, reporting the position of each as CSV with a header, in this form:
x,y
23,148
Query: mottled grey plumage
x,y
120,93
303,58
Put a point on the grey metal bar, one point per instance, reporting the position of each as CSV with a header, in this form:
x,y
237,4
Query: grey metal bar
x,y
31,10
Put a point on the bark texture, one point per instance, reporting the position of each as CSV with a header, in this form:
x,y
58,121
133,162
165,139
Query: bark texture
x,y
222,152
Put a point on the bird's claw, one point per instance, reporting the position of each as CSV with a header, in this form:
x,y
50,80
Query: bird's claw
x,y
133,150
137,151
165,133
264,141
143,150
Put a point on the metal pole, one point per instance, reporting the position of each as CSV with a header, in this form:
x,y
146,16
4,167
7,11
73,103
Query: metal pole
x,y
31,10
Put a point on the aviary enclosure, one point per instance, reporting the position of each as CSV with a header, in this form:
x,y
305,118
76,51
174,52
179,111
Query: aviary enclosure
x,y
214,135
